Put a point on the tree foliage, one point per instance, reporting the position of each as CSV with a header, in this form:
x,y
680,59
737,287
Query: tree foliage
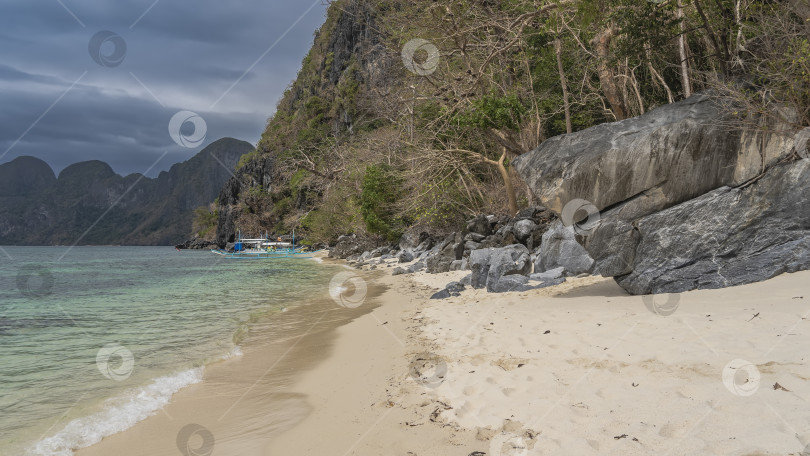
x,y
363,144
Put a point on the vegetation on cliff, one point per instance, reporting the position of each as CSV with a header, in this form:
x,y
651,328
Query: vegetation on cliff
x,y
408,113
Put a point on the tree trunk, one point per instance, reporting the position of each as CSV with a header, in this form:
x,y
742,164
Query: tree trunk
x,y
607,78
656,75
685,82
507,182
721,54
566,106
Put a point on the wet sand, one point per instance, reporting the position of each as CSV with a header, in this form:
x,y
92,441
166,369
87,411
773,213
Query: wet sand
x,y
246,401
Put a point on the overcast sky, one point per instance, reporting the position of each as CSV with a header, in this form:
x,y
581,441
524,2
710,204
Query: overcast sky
x,y
66,97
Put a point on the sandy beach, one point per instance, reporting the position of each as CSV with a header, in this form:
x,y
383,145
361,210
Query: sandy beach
x,y
578,368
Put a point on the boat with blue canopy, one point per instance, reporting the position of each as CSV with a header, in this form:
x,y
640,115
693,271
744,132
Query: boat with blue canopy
x,y
265,248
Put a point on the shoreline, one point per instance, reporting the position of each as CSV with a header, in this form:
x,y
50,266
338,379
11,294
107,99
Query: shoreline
x,y
576,368
251,388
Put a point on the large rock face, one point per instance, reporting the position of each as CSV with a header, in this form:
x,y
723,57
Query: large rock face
x,y
256,173
669,155
730,236
661,186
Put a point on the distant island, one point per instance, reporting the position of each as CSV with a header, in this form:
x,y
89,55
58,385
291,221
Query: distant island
x,y
39,208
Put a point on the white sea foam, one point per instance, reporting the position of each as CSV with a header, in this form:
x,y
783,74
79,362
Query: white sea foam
x,y
121,413
236,352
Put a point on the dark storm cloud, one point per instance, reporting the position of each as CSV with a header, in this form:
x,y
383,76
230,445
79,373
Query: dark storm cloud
x,y
179,56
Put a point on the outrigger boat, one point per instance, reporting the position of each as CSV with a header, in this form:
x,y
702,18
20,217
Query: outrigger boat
x,y
263,248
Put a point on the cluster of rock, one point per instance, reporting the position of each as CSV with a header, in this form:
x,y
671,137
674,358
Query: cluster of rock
x,y
197,244
684,198
502,253
677,199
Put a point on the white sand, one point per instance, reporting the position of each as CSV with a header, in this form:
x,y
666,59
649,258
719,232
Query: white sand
x,y
590,370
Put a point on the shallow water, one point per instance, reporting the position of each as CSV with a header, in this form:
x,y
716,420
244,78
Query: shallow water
x,y
96,340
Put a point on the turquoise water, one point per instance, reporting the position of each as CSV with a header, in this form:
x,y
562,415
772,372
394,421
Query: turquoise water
x,y
94,339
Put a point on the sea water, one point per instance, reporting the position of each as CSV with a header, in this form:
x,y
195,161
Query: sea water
x,y
95,339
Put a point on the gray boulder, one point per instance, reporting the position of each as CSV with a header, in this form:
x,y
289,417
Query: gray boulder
x,y
442,260
479,225
455,287
560,249
727,237
529,213
489,266
551,274
424,246
548,283
406,256
523,229
472,245
685,201
669,155
509,283
451,289
441,294
474,237
459,265
418,266
380,251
